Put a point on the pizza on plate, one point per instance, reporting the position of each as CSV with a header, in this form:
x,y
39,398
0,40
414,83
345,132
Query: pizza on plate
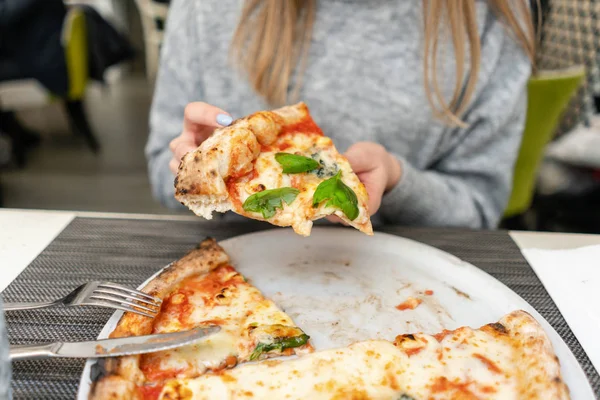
x,y
509,359
274,166
202,288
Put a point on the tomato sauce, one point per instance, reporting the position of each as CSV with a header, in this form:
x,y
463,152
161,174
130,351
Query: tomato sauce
x,y
488,389
409,304
151,368
232,182
442,385
307,126
178,306
150,392
488,363
413,351
440,336
276,147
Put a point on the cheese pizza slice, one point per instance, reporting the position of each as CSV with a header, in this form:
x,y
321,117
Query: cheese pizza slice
x,y
202,288
509,359
275,166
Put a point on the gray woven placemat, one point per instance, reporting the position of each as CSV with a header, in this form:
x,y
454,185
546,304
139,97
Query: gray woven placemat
x,y
128,251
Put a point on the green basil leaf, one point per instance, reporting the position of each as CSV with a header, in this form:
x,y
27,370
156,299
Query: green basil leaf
x,y
268,201
295,164
338,195
279,344
295,341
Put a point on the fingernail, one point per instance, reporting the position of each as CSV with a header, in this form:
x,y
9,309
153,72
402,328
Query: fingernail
x,y
224,120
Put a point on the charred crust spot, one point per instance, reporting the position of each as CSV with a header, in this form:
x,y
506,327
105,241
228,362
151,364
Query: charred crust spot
x,y
498,327
221,294
196,157
206,243
557,379
213,172
260,187
100,369
410,336
176,180
182,191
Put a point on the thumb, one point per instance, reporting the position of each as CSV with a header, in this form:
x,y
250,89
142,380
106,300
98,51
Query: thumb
x,y
361,157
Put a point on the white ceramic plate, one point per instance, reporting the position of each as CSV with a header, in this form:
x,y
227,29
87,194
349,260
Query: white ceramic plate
x,y
341,286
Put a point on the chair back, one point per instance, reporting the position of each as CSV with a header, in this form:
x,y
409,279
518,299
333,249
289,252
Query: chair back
x,y
75,43
153,15
549,93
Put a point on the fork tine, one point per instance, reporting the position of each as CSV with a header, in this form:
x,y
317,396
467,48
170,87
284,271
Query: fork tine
x,y
111,285
108,298
117,306
126,296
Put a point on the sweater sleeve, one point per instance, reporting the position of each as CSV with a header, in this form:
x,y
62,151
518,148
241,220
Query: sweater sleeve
x,y
176,86
470,184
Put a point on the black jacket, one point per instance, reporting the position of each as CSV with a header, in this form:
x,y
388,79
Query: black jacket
x,y
30,38
107,47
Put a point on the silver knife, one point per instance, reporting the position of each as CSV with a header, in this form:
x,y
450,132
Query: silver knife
x,y
112,347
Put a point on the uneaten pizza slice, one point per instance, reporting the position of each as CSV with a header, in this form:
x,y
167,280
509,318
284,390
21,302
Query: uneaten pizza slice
x,y
509,359
202,288
275,166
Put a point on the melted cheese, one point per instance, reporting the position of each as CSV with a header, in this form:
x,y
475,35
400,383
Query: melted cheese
x,y
465,364
364,370
268,174
224,298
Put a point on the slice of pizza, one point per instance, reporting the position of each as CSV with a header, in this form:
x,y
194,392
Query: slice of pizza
x,y
202,288
274,166
510,359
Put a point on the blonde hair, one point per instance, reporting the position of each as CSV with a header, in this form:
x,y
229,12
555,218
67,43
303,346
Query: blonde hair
x,y
273,37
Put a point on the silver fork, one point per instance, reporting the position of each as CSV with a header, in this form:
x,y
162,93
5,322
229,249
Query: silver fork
x,y
101,294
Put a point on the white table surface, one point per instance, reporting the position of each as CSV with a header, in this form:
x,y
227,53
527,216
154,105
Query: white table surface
x,y
25,233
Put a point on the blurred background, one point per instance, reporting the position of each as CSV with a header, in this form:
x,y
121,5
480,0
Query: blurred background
x,y
77,142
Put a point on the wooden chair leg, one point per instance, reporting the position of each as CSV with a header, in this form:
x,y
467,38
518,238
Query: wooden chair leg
x,y
79,123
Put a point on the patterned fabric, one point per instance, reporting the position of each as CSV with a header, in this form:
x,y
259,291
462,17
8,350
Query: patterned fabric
x,y
571,36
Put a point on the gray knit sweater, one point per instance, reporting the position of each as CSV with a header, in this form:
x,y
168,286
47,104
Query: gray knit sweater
x,y
364,82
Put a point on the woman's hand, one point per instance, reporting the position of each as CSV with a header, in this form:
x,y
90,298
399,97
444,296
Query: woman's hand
x,y
377,169
199,121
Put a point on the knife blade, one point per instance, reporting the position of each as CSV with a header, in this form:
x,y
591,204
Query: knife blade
x,y
113,347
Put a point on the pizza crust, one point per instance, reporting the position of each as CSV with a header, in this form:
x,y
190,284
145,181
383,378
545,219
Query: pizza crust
x,y
538,365
201,180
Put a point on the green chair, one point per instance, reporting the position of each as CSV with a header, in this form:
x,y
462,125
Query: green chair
x,y
76,53
27,93
549,93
